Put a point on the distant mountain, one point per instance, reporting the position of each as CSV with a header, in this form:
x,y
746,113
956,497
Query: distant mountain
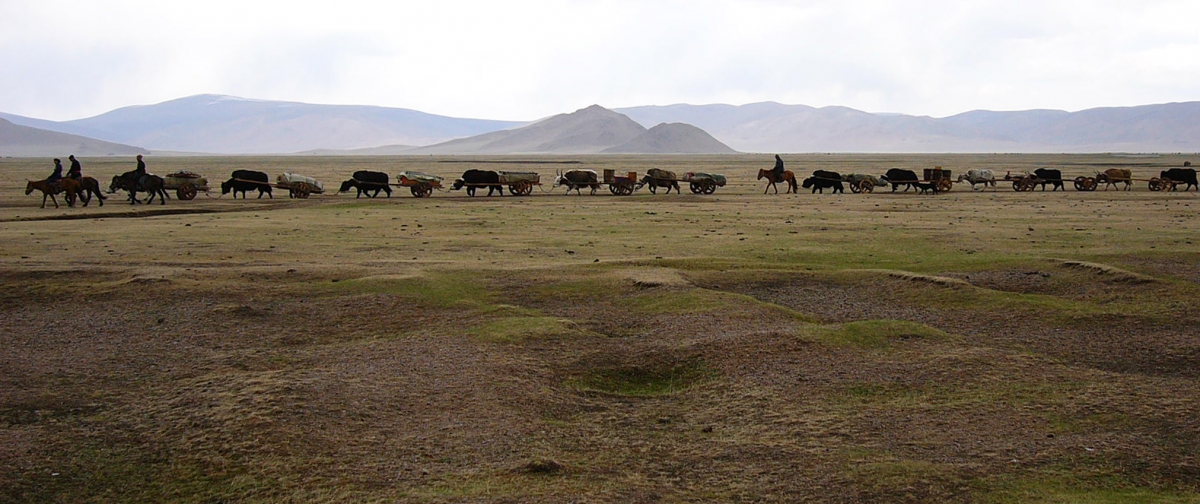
x,y
773,127
24,141
673,138
383,150
585,131
226,124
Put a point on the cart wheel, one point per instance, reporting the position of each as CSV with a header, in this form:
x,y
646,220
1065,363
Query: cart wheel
x,y
867,186
421,190
1027,184
612,188
302,190
1092,184
1080,183
624,189
186,191
855,187
710,186
945,185
696,188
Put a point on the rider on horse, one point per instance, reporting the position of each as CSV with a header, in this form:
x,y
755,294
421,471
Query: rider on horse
x,y
53,178
76,172
140,173
778,171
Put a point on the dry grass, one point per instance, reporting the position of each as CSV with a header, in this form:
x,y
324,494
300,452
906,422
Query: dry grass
x,y
968,347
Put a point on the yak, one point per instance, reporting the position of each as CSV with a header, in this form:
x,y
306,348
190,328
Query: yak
x,y
1182,176
822,179
1113,176
366,181
979,176
659,178
247,180
474,179
898,177
1045,176
576,179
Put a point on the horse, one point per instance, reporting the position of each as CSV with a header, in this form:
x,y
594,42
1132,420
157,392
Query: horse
x,y
68,186
89,187
788,177
128,182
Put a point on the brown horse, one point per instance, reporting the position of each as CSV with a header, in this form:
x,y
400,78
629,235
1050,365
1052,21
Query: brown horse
x,y
68,186
788,177
89,188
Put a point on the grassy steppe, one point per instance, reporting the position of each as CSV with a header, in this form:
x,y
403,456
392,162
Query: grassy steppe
x,y
969,347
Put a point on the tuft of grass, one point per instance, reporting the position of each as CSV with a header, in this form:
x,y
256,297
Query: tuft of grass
x,y
644,381
517,329
875,334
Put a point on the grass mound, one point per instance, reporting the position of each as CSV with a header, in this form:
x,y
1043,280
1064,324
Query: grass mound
x,y
1110,273
871,333
643,381
517,329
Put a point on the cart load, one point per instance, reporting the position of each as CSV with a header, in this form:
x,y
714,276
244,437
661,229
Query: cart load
x,y
420,184
520,183
185,184
288,179
704,183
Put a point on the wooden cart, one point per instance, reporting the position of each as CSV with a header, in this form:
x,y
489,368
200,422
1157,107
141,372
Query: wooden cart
x,y
421,185
620,185
186,184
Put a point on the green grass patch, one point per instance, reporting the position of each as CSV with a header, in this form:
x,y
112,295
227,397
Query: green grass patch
x,y
644,381
873,334
893,475
1072,489
517,329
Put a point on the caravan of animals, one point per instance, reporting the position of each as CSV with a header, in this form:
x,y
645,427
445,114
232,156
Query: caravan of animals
x,y
186,184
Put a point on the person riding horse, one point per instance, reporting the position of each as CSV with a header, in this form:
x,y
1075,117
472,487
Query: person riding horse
x,y
54,177
139,174
778,171
76,171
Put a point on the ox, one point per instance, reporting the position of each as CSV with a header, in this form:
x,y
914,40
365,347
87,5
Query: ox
x,y
366,181
1182,176
656,178
474,179
898,177
821,179
247,180
1112,176
979,176
576,179
1045,176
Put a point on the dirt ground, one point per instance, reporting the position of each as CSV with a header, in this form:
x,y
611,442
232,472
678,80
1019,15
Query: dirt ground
x,y
973,346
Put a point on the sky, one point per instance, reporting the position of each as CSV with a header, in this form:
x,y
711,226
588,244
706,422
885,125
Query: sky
x,y
524,59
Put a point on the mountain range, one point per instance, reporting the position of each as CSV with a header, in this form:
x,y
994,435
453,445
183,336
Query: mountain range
x,y
224,124
24,141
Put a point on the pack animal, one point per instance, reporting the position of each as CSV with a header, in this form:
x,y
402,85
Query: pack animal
x,y
788,177
656,178
128,181
247,180
898,177
577,179
367,181
473,179
979,176
1113,176
1043,176
822,179
1182,176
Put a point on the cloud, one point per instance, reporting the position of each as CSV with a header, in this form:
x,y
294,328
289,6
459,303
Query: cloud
x,y
526,59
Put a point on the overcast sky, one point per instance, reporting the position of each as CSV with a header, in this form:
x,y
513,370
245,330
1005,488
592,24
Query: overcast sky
x,y
520,60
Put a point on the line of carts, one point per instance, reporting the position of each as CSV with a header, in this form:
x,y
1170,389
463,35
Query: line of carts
x,y
187,184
